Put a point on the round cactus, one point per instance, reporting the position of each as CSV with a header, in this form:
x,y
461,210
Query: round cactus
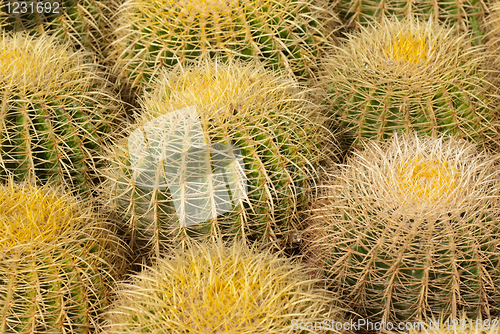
x,y
409,230
150,35
221,289
57,262
411,76
218,149
467,16
83,23
57,111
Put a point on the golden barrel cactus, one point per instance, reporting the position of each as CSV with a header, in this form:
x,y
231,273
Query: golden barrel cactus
x,y
410,75
58,261
409,229
467,16
57,111
213,288
284,34
224,149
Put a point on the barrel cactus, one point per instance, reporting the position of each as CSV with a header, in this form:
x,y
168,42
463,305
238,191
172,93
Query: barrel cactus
x,y
57,112
218,149
408,230
467,16
409,75
58,261
84,23
214,288
288,35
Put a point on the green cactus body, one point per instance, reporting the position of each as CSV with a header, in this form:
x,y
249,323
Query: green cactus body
x,y
254,136
214,288
401,76
409,231
85,24
463,16
56,113
57,263
287,35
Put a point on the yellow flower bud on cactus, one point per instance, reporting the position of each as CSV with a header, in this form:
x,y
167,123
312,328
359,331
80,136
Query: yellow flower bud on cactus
x,y
409,230
58,260
213,288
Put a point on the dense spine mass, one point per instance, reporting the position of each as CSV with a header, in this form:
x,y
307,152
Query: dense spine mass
x,y
256,131
57,112
151,34
85,24
402,76
221,289
409,230
463,16
57,263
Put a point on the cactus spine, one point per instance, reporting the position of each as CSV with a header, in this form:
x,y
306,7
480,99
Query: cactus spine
x,y
152,34
57,262
409,230
85,24
402,76
213,288
464,17
57,111
257,132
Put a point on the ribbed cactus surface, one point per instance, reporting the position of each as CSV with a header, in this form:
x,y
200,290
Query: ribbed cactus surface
x,y
57,110
467,16
402,76
151,34
408,230
218,149
57,262
221,289
83,23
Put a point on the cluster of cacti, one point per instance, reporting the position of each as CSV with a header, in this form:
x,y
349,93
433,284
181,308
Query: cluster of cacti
x,y
232,142
409,230
218,149
220,289
57,262
57,111
84,23
409,75
467,16
284,34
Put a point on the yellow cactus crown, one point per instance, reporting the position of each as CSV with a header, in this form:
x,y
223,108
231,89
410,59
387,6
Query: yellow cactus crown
x,y
220,289
31,215
29,62
408,49
220,88
421,174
